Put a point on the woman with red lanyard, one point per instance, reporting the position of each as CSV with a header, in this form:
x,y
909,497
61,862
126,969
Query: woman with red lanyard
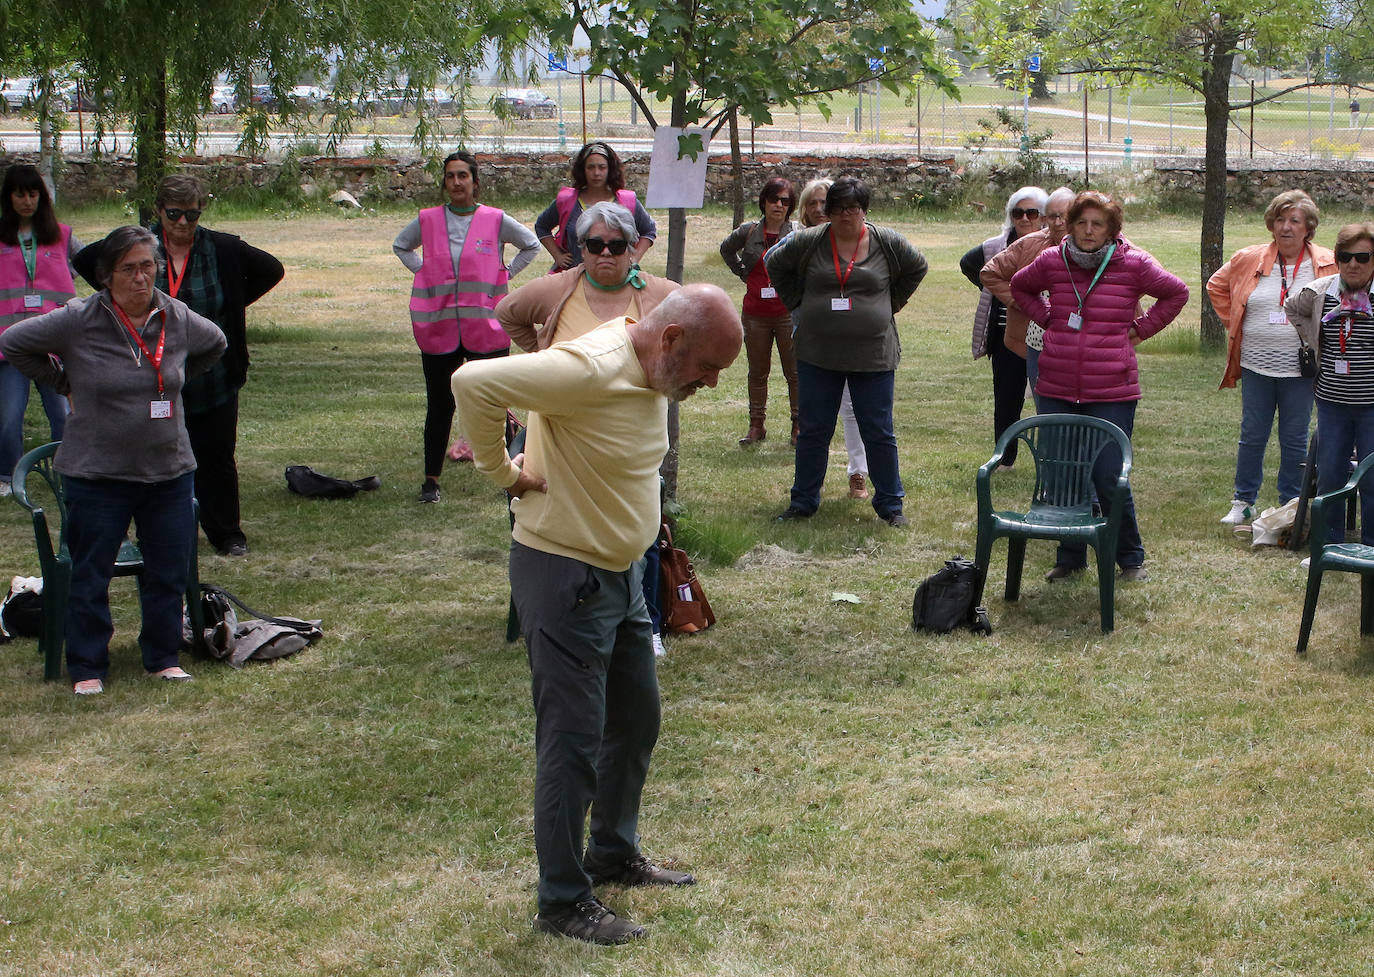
x,y
1335,315
1249,293
218,276
35,277
766,319
846,280
123,355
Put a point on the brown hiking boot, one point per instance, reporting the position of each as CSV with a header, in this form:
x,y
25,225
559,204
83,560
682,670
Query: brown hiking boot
x,y
638,871
857,488
591,922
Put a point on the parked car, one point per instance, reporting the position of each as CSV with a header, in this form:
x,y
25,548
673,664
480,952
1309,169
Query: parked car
x,y
525,103
264,96
224,100
308,96
17,93
385,101
442,102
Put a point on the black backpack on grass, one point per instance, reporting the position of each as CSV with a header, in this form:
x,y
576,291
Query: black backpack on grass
x,y
948,599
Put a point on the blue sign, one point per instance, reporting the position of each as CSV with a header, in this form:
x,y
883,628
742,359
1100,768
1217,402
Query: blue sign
x,y
556,63
875,65
1033,63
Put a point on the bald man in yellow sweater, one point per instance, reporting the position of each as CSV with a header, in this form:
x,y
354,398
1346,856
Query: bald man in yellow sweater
x,y
586,508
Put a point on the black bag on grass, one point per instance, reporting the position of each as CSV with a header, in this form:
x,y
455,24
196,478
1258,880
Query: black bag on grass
x,y
948,599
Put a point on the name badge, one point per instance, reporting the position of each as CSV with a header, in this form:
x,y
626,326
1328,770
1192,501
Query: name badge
x,y
160,409
768,292
32,300
839,305
1341,367
1279,318
1075,321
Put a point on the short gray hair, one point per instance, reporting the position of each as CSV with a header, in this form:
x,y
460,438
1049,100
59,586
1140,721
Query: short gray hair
x,y
117,244
1062,195
614,216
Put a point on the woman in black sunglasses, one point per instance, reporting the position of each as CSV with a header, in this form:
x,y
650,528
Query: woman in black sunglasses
x,y
597,177
218,276
1335,316
766,319
1025,214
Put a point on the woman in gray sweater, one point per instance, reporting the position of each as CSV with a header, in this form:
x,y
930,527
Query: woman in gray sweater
x,y
123,355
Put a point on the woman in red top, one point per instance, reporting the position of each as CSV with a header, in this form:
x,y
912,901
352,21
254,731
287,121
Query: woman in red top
x,y
766,319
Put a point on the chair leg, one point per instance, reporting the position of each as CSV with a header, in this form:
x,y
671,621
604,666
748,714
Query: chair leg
x,y
1106,586
1016,563
1366,604
1309,606
56,594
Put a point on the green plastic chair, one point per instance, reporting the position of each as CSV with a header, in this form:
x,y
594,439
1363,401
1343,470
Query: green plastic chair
x,y
1064,448
1344,557
55,562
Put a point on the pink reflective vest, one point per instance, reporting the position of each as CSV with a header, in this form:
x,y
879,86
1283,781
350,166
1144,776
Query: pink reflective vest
x,y
563,203
449,309
52,280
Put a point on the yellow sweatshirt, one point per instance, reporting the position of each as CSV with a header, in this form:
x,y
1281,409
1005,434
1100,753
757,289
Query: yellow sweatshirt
x,y
597,434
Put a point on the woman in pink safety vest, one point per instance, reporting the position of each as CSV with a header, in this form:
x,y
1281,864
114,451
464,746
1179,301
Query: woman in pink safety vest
x,y
35,277
597,177
460,275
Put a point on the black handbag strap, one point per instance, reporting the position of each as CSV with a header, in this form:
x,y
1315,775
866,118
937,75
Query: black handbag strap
x,y
293,624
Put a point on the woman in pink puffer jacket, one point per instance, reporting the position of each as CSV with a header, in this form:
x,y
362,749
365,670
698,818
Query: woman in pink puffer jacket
x,y
1095,280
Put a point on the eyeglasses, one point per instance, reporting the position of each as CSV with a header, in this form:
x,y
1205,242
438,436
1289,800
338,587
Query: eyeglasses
x,y
848,211
785,201
1055,217
596,245
1361,256
175,214
1017,213
148,269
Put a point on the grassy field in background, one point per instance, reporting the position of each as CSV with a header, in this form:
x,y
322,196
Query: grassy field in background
x,y
1181,797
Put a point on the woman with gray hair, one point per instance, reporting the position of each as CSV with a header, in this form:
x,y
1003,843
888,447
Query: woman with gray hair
x,y
1248,293
1025,214
123,355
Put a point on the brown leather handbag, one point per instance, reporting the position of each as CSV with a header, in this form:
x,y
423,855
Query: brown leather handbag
x,y
681,597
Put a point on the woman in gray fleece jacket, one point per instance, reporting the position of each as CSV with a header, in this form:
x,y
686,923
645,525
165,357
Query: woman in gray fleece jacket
x,y
122,356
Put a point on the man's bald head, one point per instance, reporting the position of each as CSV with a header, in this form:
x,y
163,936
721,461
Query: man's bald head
x,y
688,339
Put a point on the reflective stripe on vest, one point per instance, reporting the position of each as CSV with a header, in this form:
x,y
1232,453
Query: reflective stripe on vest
x,y
451,308
52,279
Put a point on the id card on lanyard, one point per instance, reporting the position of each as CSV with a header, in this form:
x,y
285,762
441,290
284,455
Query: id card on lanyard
x,y
1076,318
842,304
1341,367
1280,317
28,247
161,408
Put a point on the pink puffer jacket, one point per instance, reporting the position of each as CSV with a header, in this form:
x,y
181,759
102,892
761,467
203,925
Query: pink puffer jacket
x,y
1095,364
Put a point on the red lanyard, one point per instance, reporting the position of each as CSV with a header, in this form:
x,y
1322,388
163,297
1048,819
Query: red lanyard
x,y
1283,277
835,253
1344,333
174,277
155,357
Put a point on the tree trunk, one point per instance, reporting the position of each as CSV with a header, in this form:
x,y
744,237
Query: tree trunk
x,y
736,170
677,254
1217,111
150,154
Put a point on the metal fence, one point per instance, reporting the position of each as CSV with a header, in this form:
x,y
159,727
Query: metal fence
x,y
1107,126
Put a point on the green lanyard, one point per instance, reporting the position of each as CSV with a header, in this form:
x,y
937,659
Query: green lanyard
x,y
30,250
1064,254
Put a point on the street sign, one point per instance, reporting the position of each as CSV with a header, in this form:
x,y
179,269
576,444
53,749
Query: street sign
x,y
1033,63
557,63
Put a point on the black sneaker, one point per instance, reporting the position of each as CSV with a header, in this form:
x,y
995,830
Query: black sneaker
x,y
794,512
638,871
1062,571
591,922
429,491
893,518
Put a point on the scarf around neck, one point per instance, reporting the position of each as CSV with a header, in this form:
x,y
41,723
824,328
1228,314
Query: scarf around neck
x,y
1085,259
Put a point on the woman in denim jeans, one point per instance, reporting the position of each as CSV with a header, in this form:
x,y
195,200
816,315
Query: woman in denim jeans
x,y
1248,293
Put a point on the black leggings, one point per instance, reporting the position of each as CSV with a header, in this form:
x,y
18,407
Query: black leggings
x,y
439,406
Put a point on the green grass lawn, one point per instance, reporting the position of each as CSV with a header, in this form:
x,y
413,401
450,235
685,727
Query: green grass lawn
x,y
1183,796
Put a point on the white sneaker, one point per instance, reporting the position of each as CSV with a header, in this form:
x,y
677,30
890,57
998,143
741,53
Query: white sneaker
x,y
1306,562
659,650
6,489
1240,512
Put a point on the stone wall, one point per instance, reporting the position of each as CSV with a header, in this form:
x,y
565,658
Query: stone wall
x,y
909,179
1329,182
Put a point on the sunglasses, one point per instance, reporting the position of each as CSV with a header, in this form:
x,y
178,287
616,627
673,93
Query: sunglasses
x,y
595,245
1361,256
1017,213
785,201
175,214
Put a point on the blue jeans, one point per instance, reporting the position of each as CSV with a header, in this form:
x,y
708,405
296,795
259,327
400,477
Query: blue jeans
x,y
1260,397
14,401
820,391
1342,428
98,516
1033,373
1130,551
